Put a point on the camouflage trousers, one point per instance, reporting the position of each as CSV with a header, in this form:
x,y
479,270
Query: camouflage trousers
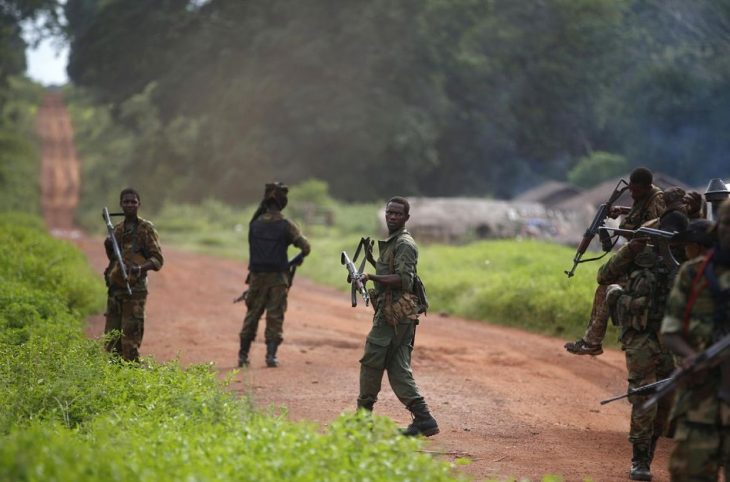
x,y
125,313
267,292
699,452
388,349
647,361
598,322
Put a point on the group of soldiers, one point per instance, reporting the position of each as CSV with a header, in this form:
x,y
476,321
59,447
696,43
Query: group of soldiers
x,y
670,304
666,316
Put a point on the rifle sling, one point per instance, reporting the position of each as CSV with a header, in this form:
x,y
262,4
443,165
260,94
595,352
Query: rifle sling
x,y
697,288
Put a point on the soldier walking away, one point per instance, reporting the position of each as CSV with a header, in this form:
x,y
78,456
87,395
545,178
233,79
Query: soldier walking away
x,y
648,204
139,247
269,236
698,315
390,342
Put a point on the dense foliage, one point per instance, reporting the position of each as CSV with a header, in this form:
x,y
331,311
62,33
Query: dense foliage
x,y
70,412
436,97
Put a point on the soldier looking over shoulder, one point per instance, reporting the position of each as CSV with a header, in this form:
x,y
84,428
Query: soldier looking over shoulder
x,y
140,249
698,314
390,342
648,204
269,236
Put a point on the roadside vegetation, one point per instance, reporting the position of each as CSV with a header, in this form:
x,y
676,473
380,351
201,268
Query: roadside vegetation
x,y
70,412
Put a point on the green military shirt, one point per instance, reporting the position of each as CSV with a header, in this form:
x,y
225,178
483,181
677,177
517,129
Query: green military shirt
x,y
698,400
645,210
398,255
138,243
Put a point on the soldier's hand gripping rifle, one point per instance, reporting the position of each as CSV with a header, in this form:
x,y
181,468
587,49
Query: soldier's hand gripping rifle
x,y
355,275
709,358
660,238
117,252
647,389
295,262
604,210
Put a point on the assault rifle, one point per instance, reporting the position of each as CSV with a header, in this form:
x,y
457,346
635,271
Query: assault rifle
x,y
355,275
295,262
660,238
709,358
604,210
117,252
647,389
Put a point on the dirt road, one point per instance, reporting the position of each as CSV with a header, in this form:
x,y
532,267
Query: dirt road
x,y
514,402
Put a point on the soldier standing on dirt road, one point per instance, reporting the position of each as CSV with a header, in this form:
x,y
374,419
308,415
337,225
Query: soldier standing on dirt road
x,y
269,236
390,342
698,314
648,205
140,249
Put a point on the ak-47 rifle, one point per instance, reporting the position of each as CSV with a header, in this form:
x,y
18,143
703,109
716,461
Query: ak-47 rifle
x,y
355,275
707,359
117,252
647,389
603,212
295,262
659,237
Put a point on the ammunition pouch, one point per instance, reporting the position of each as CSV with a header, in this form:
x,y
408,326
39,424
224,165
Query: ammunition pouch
x,y
419,290
406,308
115,273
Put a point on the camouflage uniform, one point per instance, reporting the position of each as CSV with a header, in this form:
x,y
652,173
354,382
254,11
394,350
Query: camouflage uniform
x,y
637,306
641,212
139,243
269,282
703,417
390,342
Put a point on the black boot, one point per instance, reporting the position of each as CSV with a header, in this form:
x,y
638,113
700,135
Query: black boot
x,y
271,347
652,448
243,352
640,463
423,423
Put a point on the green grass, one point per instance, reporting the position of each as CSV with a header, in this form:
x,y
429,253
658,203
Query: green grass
x,y
72,412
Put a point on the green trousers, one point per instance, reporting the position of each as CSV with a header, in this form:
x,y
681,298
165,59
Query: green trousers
x,y
267,292
125,313
699,452
388,350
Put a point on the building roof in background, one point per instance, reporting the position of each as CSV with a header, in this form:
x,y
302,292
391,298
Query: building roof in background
x,y
549,193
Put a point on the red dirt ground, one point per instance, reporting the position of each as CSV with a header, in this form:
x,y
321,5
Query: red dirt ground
x,y
512,401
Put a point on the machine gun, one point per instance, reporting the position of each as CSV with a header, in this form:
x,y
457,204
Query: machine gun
x,y
117,252
660,238
355,275
598,220
647,389
707,359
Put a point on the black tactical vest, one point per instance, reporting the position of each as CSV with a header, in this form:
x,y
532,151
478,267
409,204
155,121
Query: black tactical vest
x,y
267,242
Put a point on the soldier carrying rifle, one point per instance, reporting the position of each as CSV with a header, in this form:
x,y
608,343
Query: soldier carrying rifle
x,y
133,249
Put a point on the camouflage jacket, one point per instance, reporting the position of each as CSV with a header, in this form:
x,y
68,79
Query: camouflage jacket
x,y
698,401
398,255
138,243
651,207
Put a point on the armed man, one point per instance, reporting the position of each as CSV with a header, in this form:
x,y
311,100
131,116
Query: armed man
x,y
391,339
648,204
269,278
698,315
139,247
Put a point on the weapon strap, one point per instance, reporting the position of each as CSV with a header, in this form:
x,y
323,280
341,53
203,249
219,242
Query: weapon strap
x,y
697,288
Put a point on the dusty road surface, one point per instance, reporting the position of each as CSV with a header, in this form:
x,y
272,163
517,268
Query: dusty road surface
x,y
514,402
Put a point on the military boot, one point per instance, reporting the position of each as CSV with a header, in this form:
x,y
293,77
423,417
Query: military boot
x,y
423,423
243,352
582,347
640,463
271,347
